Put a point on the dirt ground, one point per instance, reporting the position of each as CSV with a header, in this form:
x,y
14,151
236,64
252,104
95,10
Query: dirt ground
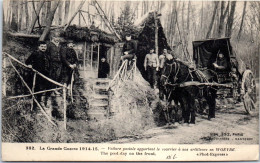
x,y
231,126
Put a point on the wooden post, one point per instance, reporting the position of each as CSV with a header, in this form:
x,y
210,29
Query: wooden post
x,y
64,108
4,75
79,18
84,57
34,79
91,55
134,74
156,33
98,56
111,59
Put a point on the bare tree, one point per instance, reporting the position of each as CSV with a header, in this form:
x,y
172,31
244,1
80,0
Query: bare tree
x,y
242,21
49,20
67,9
230,19
14,20
36,13
43,14
20,9
27,18
212,19
223,14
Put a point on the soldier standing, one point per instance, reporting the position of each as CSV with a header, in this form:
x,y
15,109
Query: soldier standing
x,y
39,60
70,61
151,65
55,58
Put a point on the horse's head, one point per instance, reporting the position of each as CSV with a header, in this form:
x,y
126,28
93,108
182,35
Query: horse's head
x,y
168,72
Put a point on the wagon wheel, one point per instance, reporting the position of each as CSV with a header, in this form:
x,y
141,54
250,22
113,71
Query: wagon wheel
x,y
248,91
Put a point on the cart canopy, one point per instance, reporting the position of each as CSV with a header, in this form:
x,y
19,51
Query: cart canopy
x,y
205,51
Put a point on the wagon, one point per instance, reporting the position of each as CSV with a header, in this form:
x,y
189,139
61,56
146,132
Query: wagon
x,y
236,79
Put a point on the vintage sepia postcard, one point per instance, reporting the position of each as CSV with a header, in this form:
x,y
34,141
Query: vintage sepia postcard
x,y
96,80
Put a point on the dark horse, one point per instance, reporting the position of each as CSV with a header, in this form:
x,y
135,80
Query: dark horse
x,y
181,84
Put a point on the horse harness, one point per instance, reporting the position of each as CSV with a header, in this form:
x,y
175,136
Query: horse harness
x,y
177,70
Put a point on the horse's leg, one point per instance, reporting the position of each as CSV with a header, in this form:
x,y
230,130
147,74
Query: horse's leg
x,y
184,107
192,110
211,100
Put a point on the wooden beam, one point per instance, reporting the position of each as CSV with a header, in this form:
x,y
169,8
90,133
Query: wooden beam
x,y
98,56
91,59
45,77
42,110
84,56
106,19
73,16
156,33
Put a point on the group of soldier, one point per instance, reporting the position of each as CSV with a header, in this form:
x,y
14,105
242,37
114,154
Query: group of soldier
x,y
54,60
153,64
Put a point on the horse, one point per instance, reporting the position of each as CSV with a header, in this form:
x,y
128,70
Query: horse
x,y
174,76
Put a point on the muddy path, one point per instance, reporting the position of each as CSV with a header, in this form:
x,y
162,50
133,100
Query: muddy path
x,y
231,126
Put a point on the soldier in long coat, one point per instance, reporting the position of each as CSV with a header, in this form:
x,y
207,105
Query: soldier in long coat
x,y
54,51
39,60
69,61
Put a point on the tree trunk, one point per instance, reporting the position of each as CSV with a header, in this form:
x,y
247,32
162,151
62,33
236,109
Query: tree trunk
x,y
43,14
48,10
27,18
188,18
59,14
242,21
67,9
222,18
230,19
49,20
212,19
20,9
35,16
14,20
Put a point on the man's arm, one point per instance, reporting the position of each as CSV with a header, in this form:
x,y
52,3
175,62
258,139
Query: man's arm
x,y
132,48
30,60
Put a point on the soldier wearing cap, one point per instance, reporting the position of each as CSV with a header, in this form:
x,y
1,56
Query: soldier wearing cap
x,y
69,62
55,58
128,48
39,60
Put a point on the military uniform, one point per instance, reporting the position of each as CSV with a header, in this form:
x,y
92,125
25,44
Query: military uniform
x,y
68,57
56,63
151,63
40,62
129,47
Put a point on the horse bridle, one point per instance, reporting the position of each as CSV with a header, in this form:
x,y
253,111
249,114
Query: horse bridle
x,y
177,69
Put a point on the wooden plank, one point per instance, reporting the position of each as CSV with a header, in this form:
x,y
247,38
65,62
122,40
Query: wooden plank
x,y
91,55
98,57
84,56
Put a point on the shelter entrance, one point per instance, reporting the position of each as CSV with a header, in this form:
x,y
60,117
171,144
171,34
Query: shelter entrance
x,y
89,55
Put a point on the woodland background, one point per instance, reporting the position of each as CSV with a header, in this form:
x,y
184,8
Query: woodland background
x,y
183,21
